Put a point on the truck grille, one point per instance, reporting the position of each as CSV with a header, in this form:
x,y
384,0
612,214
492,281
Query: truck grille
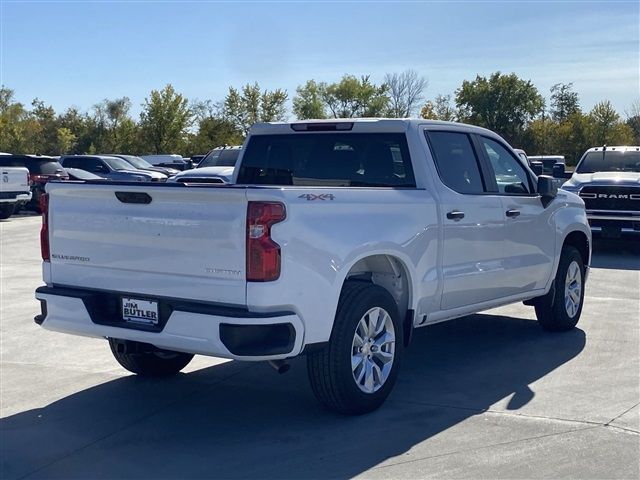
x,y
611,197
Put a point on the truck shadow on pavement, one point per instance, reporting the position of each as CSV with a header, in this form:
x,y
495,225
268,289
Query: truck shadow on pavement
x,y
616,254
240,420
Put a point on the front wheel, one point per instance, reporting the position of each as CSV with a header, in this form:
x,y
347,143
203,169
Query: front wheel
x,y
356,371
560,309
146,360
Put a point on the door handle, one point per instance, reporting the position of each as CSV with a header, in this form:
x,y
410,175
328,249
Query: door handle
x,y
455,215
513,213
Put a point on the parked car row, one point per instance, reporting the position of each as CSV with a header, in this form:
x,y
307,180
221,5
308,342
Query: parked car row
x,y
217,166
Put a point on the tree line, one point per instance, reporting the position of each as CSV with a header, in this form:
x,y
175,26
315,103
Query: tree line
x,y
171,123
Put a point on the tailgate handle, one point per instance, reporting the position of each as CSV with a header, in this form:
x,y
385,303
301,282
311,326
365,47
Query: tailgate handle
x,y
133,197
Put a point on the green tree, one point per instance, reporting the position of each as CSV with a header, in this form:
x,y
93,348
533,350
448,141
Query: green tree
x,y
441,108
251,105
116,122
356,97
43,139
79,124
12,122
502,103
564,101
164,120
309,101
605,123
214,132
66,140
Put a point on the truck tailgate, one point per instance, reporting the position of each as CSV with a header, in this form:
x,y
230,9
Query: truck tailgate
x,y
188,242
14,180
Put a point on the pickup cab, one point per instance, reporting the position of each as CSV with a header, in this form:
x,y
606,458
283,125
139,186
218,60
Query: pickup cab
x,y
14,190
334,240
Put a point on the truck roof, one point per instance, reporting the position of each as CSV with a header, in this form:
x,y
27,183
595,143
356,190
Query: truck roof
x,y
369,125
620,148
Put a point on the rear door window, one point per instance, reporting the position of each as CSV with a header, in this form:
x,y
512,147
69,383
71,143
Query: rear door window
x,y
456,161
331,159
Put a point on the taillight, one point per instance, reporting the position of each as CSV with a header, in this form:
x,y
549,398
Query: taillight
x,y
263,254
39,178
44,230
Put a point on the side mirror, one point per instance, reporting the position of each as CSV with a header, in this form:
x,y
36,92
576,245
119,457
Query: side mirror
x,y
559,170
536,167
547,189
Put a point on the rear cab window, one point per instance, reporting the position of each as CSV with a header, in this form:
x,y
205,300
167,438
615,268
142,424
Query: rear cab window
x,y
328,159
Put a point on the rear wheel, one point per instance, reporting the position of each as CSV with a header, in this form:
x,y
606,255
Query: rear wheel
x,y
146,360
6,210
561,308
356,371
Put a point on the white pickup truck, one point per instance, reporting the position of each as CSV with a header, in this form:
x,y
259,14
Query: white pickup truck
x,y
335,240
14,190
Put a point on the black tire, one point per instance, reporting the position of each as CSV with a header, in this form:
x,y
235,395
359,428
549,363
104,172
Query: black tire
x,y
6,210
551,311
329,369
148,361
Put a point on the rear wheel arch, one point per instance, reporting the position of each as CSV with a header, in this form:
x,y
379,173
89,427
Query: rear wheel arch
x,y
389,272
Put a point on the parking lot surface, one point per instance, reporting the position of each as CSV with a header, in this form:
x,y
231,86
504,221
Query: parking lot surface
x,y
486,396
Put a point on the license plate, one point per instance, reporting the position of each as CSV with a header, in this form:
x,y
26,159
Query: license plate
x,y
140,311
611,232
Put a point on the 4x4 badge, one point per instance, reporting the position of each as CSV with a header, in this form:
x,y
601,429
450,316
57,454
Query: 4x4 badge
x,y
323,196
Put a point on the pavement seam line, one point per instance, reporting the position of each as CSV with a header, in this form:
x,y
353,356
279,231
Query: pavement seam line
x,y
509,414
624,429
500,444
135,422
618,416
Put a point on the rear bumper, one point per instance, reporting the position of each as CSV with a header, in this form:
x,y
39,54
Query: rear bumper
x,y
14,197
185,326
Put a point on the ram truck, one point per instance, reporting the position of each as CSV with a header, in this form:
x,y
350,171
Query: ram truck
x,y
608,180
15,192
334,240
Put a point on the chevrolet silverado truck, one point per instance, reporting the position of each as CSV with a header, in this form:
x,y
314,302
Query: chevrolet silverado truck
x,y
14,190
334,240
608,180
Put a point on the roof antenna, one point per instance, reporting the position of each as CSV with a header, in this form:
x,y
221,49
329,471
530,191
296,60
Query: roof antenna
x,y
604,149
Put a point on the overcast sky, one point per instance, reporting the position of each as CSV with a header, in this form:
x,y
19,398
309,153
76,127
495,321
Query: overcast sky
x,y
77,53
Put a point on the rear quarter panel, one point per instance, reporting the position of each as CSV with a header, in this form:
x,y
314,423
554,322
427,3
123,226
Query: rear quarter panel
x,y
322,239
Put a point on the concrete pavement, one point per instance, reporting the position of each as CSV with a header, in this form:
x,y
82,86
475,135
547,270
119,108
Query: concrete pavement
x,y
486,396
